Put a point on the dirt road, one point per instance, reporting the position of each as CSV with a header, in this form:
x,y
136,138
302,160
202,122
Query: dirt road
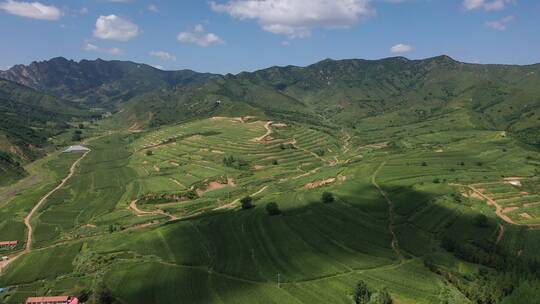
x,y
139,212
499,210
394,243
268,127
28,218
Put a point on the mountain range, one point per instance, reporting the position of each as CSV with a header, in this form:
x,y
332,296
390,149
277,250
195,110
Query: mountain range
x,y
40,99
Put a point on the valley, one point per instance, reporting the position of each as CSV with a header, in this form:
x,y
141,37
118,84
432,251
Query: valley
x,y
277,202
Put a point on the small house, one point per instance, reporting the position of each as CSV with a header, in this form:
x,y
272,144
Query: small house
x,y
7,244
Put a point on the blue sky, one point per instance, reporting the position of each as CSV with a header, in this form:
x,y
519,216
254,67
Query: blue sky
x,y
229,36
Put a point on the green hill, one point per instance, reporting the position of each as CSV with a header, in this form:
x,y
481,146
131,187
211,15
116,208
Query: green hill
x,y
345,92
27,119
97,81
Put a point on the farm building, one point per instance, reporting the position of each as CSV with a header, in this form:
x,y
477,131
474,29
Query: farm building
x,y
52,300
8,244
77,148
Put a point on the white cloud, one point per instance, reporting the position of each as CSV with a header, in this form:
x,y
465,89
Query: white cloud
x,y
199,37
295,19
500,25
115,28
89,47
488,5
401,48
159,67
163,55
153,8
35,10
83,10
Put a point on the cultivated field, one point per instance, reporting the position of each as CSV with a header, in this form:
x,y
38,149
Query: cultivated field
x,y
157,217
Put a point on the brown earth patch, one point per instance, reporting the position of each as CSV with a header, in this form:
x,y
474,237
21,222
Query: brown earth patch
x,y
320,183
525,215
509,209
156,168
215,185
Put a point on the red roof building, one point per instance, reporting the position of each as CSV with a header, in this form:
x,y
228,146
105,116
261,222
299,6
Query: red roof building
x,y
52,300
8,243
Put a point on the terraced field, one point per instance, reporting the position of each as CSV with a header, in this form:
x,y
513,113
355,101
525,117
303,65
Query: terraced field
x,y
156,216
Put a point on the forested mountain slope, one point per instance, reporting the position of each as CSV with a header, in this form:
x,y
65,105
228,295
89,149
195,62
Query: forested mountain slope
x,y
97,81
345,92
27,119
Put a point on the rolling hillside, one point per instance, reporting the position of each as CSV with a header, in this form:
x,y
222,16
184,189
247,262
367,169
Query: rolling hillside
x,y
407,179
396,90
27,119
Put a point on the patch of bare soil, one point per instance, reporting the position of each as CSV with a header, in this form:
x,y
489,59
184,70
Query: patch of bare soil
x,y
218,152
259,167
509,209
175,164
320,183
156,168
525,215
90,226
215,185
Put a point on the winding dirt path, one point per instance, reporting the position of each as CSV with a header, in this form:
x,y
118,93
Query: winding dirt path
x,y
394,243
268,127
499,210
139,212
28,218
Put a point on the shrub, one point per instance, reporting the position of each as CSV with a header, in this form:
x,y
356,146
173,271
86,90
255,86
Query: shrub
x,y
383,297
273,209
424,164
149,153
246,202
362,294
327,197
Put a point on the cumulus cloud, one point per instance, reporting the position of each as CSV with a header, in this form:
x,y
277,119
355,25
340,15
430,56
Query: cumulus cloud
x,y
89,47
295,19
35,10
163,55
401,48
488,5
113,27
199,37
500,25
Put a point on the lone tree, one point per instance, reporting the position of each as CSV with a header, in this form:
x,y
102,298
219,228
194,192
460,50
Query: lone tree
x,y
327,197
247,202
362,294
273,209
